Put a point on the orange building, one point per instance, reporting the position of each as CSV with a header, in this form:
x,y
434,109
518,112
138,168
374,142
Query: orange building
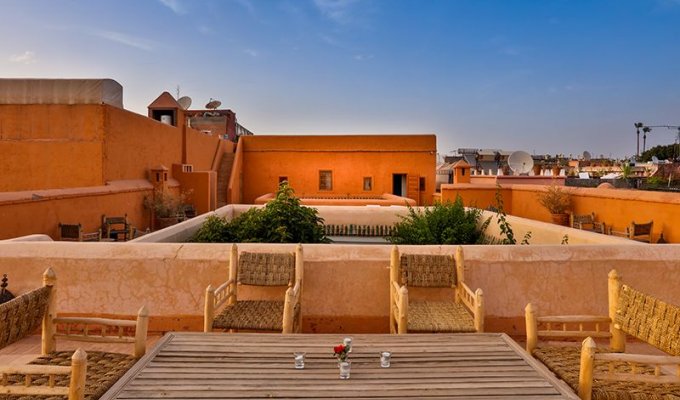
x,y
346,167
71,153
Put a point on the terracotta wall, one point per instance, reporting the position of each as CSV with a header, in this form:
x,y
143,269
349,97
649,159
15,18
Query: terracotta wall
x,y
199,186
117,278
133,144
614,207
50,146
201,149
235,189
350,158
24,214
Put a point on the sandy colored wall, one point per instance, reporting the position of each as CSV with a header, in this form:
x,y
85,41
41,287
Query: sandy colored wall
x,y
617,207
350,158
116,278
50,146
133,144
479,196
22,214
201,149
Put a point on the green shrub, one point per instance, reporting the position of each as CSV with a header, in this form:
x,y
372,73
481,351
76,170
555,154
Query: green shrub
x,y
282,220
448,223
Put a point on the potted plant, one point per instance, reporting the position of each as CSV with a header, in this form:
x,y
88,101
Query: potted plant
x,y
167,208
557,201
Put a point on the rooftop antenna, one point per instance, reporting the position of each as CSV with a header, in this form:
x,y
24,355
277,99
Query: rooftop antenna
x,y
184,102
520,162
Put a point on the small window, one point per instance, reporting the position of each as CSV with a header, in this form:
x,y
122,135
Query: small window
x,y
325,180
368,184
422,184
283,179
462,172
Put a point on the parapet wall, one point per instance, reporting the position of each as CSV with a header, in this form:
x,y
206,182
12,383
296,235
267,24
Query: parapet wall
x,y
345,286
614,207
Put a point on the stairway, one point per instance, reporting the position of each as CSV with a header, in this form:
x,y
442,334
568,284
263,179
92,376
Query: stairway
x,y
223,176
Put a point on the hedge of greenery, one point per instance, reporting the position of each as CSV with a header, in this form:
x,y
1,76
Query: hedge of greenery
x,y
282,220
447,223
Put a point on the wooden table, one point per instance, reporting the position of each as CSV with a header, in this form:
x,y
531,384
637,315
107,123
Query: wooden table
x,y
223,365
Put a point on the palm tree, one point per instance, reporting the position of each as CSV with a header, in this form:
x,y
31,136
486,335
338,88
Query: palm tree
x,y
645,131
638,125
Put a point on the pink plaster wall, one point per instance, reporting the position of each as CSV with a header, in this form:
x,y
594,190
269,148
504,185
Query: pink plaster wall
x,y
345,287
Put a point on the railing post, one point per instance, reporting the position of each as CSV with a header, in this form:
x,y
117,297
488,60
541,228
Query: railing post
x,y
618,340
479,310
76,389
585,378
403,310
394,272
531,327
233,269
209,310
141,330
49,343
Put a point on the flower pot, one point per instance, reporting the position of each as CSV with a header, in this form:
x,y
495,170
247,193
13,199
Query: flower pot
x,y
560,219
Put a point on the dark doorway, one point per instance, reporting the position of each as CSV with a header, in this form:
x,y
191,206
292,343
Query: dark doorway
x,y
399,185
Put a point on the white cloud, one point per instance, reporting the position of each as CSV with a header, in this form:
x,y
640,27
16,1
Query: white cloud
x,y
336,10
175,5
139,43
251,52
27,57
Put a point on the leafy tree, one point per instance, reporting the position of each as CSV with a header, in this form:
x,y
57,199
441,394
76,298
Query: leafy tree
x,y
448,223
667,152
282,220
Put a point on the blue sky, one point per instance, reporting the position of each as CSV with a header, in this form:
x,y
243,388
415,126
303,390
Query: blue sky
x,y
544,76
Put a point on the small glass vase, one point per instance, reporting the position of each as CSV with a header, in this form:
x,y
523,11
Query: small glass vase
x,y
345,368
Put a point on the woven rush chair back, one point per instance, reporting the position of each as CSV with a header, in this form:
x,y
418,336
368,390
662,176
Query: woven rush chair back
x,y
428,270
266,269
69,231
641,232
582,219
649,319
22,315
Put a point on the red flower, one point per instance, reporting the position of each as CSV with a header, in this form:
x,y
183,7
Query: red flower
x,y
341,352
339,349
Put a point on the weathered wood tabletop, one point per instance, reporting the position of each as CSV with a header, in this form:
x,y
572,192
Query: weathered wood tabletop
x,y
252,366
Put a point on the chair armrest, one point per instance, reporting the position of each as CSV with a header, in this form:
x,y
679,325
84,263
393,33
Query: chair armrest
x,y
75,390
399,308
473,301
81,329
574,326
636,363
563,327
223,293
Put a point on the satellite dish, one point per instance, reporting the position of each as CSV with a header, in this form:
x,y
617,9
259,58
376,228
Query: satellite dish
x,y
184,102
213,104
655,159
586,155
520,162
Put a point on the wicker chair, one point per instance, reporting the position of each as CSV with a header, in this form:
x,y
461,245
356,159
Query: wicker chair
x,y
587,222
633,313
74,233
77,374
462,313
258,269
639,232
